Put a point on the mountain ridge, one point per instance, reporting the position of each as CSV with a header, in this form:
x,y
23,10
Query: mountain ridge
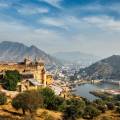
x,y
108,68
15,51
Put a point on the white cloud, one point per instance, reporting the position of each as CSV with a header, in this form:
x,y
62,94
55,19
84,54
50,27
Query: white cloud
x,y
4,5
30,10
56,22
55,3
64,22
42,38
81,36
72,23
103,22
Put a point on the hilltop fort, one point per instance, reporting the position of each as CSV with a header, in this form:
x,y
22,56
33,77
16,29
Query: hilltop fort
x,y
33,73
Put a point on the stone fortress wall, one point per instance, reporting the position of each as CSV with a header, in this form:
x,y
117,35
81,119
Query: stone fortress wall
x,y
27,67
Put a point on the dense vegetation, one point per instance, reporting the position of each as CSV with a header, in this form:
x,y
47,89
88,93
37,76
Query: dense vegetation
x,y
11,79
72,108
28,100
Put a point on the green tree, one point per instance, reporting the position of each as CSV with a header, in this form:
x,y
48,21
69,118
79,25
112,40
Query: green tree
x,y
117,103
62,107
91,112
102,108
74,109
118,109
117,97
76,102
3,98
11,79
70,113
48,97
100,104
110,106
28,100
58,102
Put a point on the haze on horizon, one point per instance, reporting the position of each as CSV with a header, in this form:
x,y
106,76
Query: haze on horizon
x,y
89,26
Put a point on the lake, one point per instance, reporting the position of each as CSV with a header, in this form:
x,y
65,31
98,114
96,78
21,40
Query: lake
x,y
83,90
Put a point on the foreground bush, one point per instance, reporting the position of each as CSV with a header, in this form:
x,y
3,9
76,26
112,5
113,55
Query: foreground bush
x,y
48,97
102,108
29,100
91,112
76,102
117,97
110,106
118,109
99,102
100,105
3,98
74,109
70,113
58,102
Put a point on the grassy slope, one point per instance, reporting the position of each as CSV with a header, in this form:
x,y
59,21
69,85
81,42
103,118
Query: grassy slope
x,y
9,113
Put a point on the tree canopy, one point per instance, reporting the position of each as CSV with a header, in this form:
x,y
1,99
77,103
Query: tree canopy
x,y
48,97
11,79
28,100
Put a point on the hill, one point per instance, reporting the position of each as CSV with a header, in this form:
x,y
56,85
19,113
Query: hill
x,y
82,59
14,51
108,68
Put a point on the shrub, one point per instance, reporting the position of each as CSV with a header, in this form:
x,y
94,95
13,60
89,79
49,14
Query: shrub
x,y
3,98
58,101
11,79
70,113
117,103
90,112
48,97
118,109
74,109
102,108
110,106
76,102
87,102
99,102
62,107
100,105
29,100
117,97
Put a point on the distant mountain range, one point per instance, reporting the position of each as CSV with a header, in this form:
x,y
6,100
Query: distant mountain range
x,y
108,68
14,51
79,58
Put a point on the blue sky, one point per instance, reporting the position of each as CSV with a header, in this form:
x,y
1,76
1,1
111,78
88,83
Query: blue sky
x,y
90,26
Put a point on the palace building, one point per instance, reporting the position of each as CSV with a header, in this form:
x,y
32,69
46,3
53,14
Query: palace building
x,y
33,73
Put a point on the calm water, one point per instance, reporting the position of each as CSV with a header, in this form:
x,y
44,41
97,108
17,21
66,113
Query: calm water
x,y
83,90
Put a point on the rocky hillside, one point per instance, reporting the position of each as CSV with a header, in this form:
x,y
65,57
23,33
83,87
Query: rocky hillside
x,y
108,68
13,51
